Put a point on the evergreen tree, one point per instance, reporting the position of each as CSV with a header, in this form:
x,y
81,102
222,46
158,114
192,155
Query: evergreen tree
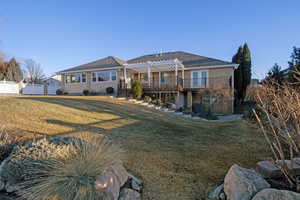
x,y
238,77
294,66
15,70
10,71
275,74
242,75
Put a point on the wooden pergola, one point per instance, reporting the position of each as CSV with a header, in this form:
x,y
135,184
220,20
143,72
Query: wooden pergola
x,y
156,66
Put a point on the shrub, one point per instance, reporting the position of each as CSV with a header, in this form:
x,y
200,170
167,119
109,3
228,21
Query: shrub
x,y
179,109
110,90
279,120
137,90
93,93
72,175
7,142
66,93
148,99
158,102
59,92
86,92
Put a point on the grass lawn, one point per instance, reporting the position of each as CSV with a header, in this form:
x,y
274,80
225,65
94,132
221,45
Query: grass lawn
x,y
176,158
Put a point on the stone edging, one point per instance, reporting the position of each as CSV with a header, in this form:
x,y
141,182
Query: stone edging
x,y
163,109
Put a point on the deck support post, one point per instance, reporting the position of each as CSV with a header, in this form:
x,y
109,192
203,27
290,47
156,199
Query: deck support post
x,y
149,76
176,74
159,79
189,99
182,76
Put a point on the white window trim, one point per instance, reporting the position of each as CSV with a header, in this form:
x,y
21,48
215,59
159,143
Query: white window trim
x,y
110,76
200,72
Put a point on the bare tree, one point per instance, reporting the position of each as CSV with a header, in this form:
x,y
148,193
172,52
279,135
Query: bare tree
x,y
34,71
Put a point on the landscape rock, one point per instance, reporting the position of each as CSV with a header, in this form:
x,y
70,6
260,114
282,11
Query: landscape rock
x,y
135,183
6,197
243,184
129,194
112,180
273,194
270,170
216,193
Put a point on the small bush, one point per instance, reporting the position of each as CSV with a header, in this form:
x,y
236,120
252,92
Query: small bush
x,y
148,99
158,102
66,93
93,93
180,109
59,92
86,92
137,90
109,90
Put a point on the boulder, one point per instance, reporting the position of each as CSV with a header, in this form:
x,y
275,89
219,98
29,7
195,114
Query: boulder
x,y
6,197
112,180
135,183
129,194
216,193
271,170
273,194
243,184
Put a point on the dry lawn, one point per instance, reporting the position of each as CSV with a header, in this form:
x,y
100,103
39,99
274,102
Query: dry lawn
x,y
176,158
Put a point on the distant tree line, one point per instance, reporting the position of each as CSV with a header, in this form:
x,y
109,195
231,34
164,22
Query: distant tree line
x,y
292,74
11,70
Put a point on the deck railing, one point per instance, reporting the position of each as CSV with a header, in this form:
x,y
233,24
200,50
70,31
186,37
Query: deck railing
x,y
173,83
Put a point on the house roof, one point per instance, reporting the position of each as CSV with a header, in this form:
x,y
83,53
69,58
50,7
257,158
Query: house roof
x,y
187,59
107,62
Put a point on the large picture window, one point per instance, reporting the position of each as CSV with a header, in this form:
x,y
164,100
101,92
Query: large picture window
x,y
104,76
73,78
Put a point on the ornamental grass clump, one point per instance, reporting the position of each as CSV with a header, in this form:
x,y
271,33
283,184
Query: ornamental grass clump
x,y
72,175
278,115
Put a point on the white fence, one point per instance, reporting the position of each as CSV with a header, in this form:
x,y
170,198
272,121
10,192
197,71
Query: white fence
x,y
9,87
33,89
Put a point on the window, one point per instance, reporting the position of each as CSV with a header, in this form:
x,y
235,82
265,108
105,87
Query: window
x,y
103,76
94,78
199,79
144,77
113,75
165,77
68,79
83,77
73,78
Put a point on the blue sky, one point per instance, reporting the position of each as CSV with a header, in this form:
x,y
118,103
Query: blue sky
x,y
65,33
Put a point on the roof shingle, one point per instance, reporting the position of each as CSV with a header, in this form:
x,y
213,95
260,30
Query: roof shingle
x,y
107,62
187,59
